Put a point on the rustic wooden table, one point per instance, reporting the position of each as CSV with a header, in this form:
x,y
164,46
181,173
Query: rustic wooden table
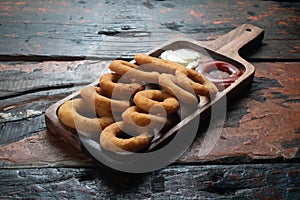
x,y
50,49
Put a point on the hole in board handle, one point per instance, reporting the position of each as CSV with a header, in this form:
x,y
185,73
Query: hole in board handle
x,y
248,29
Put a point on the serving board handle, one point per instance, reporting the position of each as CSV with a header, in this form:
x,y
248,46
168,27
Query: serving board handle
x,y
231,43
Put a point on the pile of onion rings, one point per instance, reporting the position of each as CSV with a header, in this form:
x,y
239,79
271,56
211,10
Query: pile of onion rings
x,y
135,101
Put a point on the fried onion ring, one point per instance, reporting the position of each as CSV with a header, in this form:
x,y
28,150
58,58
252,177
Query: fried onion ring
x,y
109,139
136,116
131,71
156,100
168,82
111,87
122,67
73,113
192,80
94,96
186,79
150,67
160,65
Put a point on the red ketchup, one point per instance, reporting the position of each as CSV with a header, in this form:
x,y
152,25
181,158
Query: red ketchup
x,y
221,73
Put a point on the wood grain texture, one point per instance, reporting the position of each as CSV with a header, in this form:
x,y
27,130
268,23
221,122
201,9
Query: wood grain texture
x,y
262,124
26,90
256,181
76,29
18,79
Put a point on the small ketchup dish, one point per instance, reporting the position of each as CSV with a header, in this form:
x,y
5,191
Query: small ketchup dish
x,y
221,73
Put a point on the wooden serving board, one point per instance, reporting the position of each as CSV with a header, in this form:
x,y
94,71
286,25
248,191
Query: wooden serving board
x,y
225,48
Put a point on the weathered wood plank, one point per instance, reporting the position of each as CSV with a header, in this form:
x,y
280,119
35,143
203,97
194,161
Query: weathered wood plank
x,y
261,124
16,79
26,91
70,30
256,181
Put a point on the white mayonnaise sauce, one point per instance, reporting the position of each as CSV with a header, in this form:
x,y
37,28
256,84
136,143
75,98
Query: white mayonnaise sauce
x,y
186,57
